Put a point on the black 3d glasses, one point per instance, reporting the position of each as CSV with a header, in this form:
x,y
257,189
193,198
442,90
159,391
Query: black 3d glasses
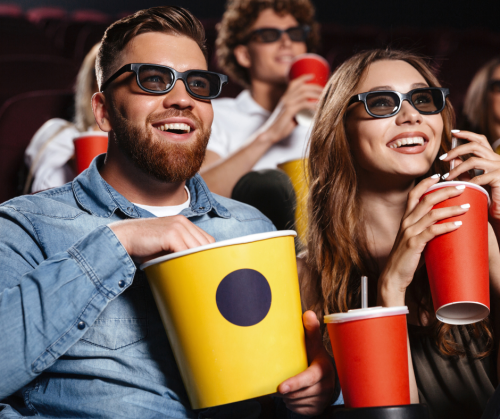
x,y
159,79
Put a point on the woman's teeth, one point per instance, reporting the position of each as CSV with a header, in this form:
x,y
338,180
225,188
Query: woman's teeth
x,y
407,141
174,127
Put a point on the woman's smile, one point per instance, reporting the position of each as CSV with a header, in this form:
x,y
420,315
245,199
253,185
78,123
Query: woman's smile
x,y
409,143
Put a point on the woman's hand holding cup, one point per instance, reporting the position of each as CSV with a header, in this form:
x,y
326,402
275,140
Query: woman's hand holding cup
x,y
483,158
418,227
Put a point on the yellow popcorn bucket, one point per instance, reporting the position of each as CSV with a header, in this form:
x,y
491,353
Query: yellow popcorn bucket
x,y
296,171
233,316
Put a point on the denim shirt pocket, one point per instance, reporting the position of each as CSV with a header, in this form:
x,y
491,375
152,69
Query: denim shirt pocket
x,y
123,322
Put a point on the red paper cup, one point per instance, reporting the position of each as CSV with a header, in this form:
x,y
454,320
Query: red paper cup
x,y
309,64
371,354
87,147
457,262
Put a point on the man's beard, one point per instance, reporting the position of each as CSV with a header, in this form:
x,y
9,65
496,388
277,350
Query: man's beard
x,y
164,160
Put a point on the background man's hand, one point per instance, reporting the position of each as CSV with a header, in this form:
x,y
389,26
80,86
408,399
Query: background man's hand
x,y
148,238
297,97
311,391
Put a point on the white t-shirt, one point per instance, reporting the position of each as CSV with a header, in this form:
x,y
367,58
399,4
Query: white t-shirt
x,y
169,210
235,120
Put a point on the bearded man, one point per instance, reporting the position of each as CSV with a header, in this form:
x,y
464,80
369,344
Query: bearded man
x,y
81,335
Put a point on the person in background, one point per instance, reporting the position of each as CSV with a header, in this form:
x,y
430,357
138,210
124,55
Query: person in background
x,y
482,102
49,156
81,334
251,134
373,155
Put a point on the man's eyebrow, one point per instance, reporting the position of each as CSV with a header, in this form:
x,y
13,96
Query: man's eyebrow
x,y
413,86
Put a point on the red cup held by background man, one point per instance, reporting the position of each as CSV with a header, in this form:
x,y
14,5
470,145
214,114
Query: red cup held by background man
x,y
309,64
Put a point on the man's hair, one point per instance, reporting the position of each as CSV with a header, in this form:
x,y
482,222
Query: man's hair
x,y
240,15
167,19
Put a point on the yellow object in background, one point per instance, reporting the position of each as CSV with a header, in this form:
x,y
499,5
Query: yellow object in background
x,y
496,146
297,172
233,316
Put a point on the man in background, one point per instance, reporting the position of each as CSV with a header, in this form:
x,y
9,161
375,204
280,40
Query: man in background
x,y
257,41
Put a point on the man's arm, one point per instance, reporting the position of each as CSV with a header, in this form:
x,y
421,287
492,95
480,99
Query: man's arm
x,y
222,174
47,304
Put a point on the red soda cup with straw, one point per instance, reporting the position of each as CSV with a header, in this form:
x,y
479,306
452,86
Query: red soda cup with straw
x,y
371,354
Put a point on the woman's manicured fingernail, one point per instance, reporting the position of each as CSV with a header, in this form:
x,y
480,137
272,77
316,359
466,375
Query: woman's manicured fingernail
x,y
455,130
460,187
435,176
285,389
465,206
458,223
443,156
445,175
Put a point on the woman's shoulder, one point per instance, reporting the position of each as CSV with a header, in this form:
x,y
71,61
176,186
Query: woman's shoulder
x,y
53,127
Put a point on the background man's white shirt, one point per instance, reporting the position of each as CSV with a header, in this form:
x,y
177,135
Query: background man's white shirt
x,y
235,120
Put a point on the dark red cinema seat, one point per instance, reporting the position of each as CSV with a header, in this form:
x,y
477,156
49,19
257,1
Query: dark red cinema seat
x,y
11,10
94,16
39,14
19,74
71,35
20,117
19,36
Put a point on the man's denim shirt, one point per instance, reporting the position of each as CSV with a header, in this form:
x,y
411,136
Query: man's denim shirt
x,y
80,332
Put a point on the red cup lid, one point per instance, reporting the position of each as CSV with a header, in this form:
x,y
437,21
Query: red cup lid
x,y
365,313
457,183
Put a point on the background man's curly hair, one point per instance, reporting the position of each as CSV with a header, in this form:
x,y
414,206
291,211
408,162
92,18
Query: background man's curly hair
x,y
240,16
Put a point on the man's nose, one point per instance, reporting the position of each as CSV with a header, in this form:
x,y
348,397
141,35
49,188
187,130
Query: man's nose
x,y
285,39
179,97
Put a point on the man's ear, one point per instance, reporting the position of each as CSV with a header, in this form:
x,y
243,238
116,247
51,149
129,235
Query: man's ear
x,y
99,107
242,55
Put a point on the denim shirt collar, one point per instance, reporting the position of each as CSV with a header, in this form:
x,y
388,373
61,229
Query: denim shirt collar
x,y
100,199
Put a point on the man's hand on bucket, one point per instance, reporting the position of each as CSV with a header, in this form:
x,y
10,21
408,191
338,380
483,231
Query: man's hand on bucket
x,y
311,391
148,238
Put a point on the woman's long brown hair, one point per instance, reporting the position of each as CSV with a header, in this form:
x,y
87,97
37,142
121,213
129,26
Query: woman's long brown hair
x,y
337,254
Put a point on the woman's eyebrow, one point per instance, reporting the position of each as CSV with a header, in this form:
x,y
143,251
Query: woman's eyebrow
x,y
373,89
413,86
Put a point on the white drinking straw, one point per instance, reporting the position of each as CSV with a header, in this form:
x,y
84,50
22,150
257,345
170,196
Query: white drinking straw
x,y
454,143
364,292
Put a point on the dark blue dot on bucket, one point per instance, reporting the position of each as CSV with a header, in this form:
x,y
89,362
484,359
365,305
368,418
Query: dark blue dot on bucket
x,y
244,297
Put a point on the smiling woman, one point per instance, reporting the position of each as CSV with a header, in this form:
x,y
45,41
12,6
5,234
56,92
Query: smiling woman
x,y
380,126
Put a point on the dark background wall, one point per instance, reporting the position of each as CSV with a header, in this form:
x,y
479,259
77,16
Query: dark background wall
x,y
386,13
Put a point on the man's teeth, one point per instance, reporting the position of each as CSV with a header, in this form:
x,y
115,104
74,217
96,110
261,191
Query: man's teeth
x,y
407,141
176,127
